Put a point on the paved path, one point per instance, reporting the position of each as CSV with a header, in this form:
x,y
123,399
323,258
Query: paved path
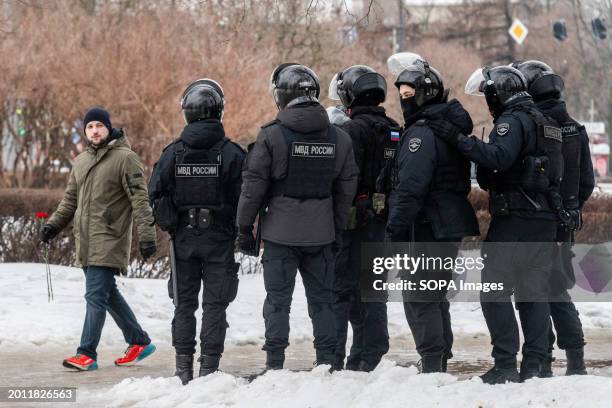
x,y
471,358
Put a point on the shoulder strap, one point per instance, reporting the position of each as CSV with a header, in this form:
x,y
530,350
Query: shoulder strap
x,y
179,150
270,123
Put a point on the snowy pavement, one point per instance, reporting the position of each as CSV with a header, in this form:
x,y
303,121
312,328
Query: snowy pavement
x,y
32,327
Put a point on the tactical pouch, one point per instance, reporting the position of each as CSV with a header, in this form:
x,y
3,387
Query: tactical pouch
x,y
534,177
165,213
204,218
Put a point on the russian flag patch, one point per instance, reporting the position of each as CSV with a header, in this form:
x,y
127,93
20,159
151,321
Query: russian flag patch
x,y
395,136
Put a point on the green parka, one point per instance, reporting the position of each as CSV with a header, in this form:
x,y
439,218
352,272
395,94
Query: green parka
x,y
106,191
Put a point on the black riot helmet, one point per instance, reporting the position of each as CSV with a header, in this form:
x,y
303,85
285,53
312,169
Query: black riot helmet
x,y
292,84
499,85
361,85
426,81
203,99
542,82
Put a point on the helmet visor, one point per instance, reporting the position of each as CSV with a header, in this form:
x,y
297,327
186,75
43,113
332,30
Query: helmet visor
x,y
476,83
332,92
402,60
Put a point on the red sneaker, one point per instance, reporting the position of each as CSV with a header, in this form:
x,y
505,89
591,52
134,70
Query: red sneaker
x,y
134,354
81,362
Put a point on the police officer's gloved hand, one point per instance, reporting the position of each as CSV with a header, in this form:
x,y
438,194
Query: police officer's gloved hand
x,y
445,131
245,241
147,249
48,232
364,210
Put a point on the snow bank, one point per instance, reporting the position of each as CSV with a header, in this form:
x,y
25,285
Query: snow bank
x,y
387,386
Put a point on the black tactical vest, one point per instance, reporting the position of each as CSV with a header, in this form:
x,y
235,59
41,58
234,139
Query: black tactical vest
x,y
386,140
311,164
547,150
197,176
452,172
571,132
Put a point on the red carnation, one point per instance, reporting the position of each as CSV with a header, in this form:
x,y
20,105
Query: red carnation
x,y
41,214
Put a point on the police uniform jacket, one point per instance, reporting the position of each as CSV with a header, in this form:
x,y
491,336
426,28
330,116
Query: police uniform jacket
x,y
288,220
433,178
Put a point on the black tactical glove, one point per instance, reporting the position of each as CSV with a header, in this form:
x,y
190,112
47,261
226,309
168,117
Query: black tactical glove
x,y
48,232
147,249
245,241
576,216
364,211
445,131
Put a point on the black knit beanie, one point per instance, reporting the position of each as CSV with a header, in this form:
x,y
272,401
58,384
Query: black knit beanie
x,y
100,115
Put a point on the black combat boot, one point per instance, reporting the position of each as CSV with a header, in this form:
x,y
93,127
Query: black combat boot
x,y
430,364
275,361
365,367
352,364
447,356
575,362
208,364
546,367
530,368
501,374
184,367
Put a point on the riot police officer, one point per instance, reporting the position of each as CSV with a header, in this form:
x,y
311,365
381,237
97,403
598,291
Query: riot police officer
x,y
429,202
546,87
521,168
375,135
302,172
194,189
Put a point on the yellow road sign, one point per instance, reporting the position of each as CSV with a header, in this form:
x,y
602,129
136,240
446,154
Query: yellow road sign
x,y
518,31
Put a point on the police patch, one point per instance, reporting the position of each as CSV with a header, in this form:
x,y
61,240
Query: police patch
x,y
414,144
553,133
317,150
503,128
389,153
196,170
569,130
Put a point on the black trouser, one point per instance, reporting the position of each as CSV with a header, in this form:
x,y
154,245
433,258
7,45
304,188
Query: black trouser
x,y
525,270
429,316
316,266
368,319
207,258
564,315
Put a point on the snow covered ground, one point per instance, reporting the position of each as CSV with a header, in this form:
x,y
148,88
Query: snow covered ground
x,y
387,386
27,319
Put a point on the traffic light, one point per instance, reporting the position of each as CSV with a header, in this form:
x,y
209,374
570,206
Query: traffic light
x,y
600,28
559,30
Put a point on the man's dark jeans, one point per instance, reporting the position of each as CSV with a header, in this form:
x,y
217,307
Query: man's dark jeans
x,y
102,295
